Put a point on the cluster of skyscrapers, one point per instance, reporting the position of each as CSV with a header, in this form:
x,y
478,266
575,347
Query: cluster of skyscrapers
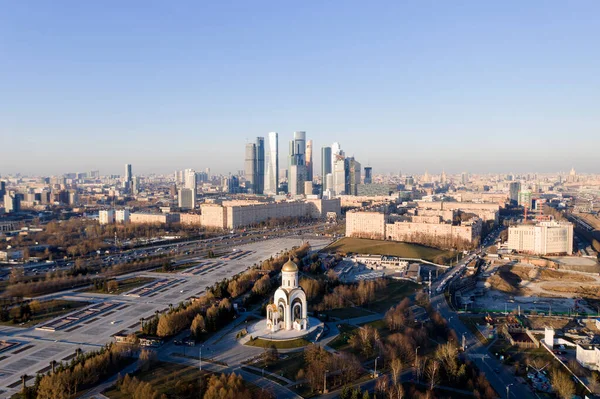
x,y
339,174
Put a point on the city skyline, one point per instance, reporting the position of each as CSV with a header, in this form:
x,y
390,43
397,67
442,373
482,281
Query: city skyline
x,y
485,87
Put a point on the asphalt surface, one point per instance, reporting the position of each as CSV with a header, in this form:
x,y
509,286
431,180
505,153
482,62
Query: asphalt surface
x,y
37,348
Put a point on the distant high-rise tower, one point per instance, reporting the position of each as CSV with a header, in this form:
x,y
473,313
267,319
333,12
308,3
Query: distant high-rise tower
x,y
336,149
259,181
186,198
443,177
325,165
272,173
2,189
128,177
297,164
339,175
513,192
309,160
352,176
368,175
250,166
190,184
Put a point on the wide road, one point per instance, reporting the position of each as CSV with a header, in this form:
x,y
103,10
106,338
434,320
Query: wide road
x,y
498,375
37,348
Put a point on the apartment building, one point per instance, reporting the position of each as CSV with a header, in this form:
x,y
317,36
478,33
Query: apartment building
x,y
543,238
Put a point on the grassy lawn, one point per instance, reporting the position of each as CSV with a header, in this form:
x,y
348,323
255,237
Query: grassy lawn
x,y
379,247
291,344
124,285
165,378
51,309
395,292
347,313
340,343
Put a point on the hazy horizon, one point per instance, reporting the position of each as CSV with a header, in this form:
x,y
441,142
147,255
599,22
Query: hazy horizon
x,y
479,87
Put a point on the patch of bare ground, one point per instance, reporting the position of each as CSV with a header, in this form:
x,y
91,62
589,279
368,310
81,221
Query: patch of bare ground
x,y
538,322
584,290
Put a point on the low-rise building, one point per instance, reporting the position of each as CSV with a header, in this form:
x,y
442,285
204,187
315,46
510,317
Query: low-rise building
x,y
375,225
588,356
154,218
190,219
543,238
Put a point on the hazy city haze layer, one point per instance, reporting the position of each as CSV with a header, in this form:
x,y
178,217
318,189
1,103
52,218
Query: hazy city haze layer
x,y
462,86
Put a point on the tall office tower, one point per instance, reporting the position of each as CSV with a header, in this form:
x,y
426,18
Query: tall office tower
x,y
513,192
259,182
186,198
128,176
135,188
352,176
207,171
443,177
525,199
189,179
297,164
329,182
189,176
250,167
368,175
73,197
272,173
464,177
336,149
339,175
325,165
309,160
2,188
12,202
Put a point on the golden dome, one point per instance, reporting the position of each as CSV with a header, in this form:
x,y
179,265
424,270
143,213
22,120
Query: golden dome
x,y
289,266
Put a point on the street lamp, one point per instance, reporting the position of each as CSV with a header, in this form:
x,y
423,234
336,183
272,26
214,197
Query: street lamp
x,y
508,390
200,357
416,355
375,372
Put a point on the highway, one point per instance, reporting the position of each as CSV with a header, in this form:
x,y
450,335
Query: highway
x,y
499,376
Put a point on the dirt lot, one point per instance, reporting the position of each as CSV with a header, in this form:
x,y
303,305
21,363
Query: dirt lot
x,y
522,279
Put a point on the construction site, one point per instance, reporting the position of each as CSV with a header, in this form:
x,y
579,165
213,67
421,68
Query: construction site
x,y
511,285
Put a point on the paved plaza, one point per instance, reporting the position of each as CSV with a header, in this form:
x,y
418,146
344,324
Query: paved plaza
x,y
37,348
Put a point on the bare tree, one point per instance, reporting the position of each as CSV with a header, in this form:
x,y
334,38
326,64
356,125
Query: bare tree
x,y
419,367
396,366
562,384
396,392
433,376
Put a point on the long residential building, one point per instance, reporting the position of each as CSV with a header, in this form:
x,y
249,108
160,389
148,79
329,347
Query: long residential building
x,y
236,214
543,238
375,225
487,211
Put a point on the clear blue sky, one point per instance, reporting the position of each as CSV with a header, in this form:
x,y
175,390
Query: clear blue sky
x,y
483,86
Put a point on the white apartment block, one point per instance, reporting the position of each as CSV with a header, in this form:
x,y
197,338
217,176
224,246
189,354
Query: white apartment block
x,y
543,238
106,216
588,356
122,215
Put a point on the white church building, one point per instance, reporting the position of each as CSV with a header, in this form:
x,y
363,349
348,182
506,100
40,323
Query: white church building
x,y
288,310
